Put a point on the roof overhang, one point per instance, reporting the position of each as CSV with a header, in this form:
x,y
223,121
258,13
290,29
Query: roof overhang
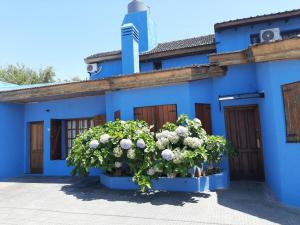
x,y
256,20
157,55
99,87
280,50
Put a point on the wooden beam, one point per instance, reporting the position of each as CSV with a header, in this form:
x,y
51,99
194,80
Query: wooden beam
x,y
228,59
99,87
280,50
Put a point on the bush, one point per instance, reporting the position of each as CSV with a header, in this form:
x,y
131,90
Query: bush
x,y
130,149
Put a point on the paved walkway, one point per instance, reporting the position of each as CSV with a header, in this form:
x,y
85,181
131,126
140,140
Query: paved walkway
x,y
75,201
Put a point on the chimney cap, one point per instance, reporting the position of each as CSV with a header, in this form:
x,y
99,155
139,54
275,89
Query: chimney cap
x,y
137,6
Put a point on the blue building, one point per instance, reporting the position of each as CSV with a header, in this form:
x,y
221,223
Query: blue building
x,y
243,82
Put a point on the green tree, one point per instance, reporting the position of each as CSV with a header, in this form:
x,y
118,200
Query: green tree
x,y
22,75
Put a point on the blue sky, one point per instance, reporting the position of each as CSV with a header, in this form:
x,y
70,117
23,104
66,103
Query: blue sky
x,y
61,33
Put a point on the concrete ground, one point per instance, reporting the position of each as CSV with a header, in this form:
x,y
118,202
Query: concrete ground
x,y
62,200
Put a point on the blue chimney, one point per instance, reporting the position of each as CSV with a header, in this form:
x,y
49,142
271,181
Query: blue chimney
x,y
130,49
139,16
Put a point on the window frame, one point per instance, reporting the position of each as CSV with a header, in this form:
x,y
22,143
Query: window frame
x,y
78,131
286,113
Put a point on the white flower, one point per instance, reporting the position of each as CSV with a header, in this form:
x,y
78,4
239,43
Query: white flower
x,y
94,144
138,132
182,131
160,145
126,144
131,154
167,155
118,152
192,142
196,120
173,137
151,172
178,156
165,134
141,144
118,164
158,136
165,141
104,138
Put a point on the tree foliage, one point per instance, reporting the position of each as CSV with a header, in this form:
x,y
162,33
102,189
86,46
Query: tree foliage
x,y
23,75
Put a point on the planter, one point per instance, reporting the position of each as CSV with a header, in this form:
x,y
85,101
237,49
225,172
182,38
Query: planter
x,y
201,184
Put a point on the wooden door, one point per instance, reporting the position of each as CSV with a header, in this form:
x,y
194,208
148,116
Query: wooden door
x,y
156,115
36,147
243,130
203,113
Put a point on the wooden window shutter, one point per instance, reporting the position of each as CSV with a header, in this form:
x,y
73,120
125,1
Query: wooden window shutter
x,y
291,95
99,120
117,115
156,115
203,113
56,142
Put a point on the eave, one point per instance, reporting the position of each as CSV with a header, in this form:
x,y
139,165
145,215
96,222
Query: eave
x,y
158,55
280,50
99,87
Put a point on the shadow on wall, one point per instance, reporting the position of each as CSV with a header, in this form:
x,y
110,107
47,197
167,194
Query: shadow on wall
x,y
91,189
254,199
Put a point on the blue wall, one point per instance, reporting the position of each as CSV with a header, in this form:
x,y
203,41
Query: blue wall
x,y
239,38
11,140
146,27
108,69
63,109
185,61
281,158
114,67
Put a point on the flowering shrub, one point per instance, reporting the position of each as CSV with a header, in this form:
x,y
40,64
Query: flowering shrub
x,y
120,148
179,147
130,149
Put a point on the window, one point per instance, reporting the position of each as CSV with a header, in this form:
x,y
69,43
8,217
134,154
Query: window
x,y
203,113
157,65
291,96
73,128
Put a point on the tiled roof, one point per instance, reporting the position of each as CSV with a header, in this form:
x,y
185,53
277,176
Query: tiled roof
x,y
167,46
185,43
257,19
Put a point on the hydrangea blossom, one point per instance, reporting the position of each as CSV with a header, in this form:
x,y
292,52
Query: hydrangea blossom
x,y
104,138
151,172
138,132
118,164
126,144
141,144
182,131
160,145
178,156
167,154
131,154
192,142
94,144
173,137
117,152
196,120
